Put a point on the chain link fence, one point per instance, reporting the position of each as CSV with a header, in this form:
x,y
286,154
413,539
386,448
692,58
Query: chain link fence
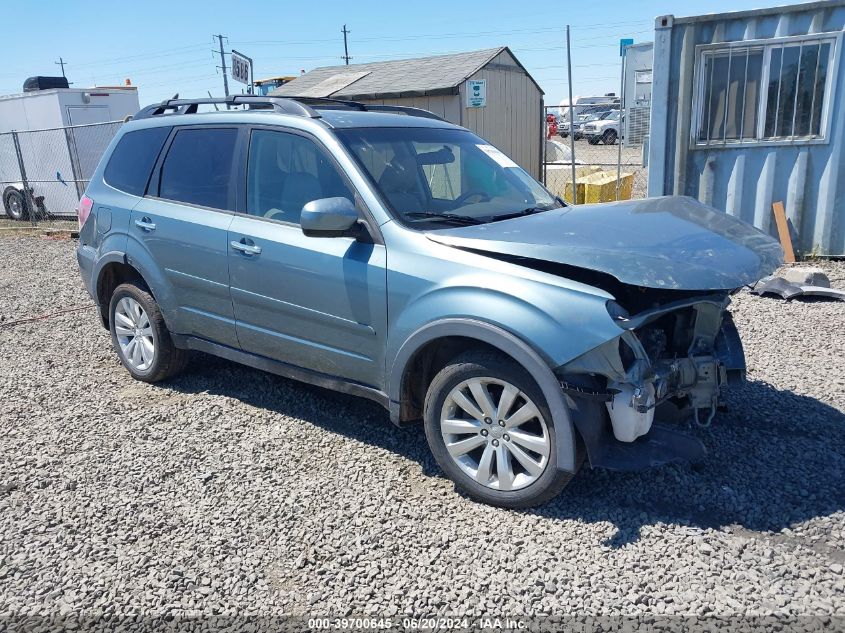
x,y
43,173
609,152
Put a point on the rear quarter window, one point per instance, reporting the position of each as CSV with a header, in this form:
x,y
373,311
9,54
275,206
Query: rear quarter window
x,y
132,161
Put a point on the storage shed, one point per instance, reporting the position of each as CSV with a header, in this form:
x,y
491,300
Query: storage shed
x,y
487,91
747,110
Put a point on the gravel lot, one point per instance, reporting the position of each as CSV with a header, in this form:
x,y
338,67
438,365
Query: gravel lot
x,y
230,491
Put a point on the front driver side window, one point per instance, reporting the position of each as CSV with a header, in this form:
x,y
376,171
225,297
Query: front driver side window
x,y
285,172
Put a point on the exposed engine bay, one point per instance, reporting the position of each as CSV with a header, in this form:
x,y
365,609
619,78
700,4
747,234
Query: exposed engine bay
x,y
669,364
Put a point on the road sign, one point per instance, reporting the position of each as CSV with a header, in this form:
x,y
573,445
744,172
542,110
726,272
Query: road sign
x,y
476,93
240,68
626,41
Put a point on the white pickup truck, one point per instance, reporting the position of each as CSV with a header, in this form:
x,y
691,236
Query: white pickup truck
x,y
605,130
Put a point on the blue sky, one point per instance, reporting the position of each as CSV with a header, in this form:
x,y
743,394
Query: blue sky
x,y
165,47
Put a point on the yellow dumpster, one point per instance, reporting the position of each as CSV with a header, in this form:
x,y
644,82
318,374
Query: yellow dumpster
x,y
581,173
600,186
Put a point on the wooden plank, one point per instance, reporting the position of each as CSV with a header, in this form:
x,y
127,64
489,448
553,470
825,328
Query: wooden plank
x,y
783,232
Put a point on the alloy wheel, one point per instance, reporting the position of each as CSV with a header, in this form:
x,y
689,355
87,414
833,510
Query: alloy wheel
x,y
134,334
495,433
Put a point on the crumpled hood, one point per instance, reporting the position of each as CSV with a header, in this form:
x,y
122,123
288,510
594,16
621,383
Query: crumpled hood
x,y
672,242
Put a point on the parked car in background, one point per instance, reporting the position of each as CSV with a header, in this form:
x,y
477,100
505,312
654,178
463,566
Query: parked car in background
x,y
606,130
383,252
591,113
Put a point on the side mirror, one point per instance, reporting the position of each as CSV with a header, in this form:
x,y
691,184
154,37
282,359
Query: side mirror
x,y
329,217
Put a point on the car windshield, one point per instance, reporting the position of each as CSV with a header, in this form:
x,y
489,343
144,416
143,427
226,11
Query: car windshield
x,y
448,176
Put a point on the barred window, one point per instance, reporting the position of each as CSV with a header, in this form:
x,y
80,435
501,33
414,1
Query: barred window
x,y
764,92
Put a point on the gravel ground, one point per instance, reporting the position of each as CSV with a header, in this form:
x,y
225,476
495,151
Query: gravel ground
x,y
231,491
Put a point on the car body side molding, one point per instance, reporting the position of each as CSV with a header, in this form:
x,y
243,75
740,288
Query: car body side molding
x,y
279,368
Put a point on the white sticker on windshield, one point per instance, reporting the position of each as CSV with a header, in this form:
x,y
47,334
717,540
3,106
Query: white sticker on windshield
x,y
496,155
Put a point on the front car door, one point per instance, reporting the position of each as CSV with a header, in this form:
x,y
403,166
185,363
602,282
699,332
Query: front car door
x,y
180,230
313,302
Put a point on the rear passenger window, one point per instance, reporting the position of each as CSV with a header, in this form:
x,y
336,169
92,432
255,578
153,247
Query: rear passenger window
x,y
198,167
132,160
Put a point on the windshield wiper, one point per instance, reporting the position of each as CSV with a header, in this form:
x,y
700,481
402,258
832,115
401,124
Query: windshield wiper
x,y
519,214
446,217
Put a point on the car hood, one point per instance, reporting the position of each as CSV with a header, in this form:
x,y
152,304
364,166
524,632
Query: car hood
x,y
668,243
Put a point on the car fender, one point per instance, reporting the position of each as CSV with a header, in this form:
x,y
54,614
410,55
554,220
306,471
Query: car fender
x,y
146,269
93,265
162,290
509,344
558,323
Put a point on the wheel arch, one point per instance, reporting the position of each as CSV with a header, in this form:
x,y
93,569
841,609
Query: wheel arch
x,y
15,186
457,335
110,275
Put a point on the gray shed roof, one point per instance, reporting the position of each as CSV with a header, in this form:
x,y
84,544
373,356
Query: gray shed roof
x,y
424,76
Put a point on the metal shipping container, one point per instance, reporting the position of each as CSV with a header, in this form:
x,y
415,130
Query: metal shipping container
x,y
747,110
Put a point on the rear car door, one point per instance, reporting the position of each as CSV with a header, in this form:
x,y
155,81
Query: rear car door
x,y
314,302
179,230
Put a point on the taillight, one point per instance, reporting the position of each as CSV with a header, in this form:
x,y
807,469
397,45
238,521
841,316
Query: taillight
x,y
84,210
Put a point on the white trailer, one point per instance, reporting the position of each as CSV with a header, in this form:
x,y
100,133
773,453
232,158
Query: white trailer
x,y
57,137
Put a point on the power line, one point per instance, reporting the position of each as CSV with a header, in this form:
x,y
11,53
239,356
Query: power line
x,y
345,45
439,36
181,50
189,49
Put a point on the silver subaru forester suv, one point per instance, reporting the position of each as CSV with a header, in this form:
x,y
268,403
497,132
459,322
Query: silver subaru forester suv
x,y
383,252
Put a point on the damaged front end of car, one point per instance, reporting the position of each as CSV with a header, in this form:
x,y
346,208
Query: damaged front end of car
x,y
670,265
669,364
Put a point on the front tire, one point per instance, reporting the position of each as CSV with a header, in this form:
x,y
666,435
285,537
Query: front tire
x,y
609,137
490,430
140,336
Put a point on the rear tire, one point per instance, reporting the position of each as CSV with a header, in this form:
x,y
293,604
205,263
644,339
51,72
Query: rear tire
x,y
140,336
15,205
508,462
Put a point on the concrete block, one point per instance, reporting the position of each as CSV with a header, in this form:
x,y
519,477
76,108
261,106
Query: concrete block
x,y
806,276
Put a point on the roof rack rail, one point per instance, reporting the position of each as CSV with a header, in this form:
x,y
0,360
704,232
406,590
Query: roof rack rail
x,y
190,106
301,106
329,103
408,110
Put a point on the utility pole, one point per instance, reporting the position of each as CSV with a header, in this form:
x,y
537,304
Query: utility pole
x,y
571,117
61,63
223,65
345,45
